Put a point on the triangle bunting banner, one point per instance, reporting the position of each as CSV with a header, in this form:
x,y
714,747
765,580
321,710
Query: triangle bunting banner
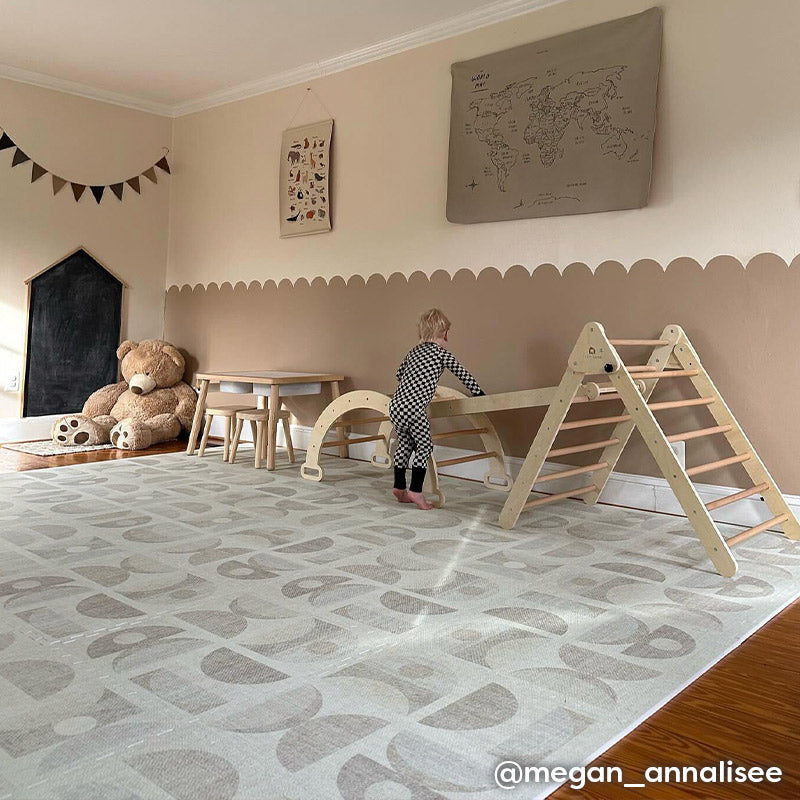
x,y
98,190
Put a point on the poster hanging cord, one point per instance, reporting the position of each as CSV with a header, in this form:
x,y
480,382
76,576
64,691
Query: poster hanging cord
x,y
300,105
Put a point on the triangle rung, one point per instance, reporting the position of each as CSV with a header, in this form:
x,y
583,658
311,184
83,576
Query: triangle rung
x,y
744,535
568,473
582,448
698,401
687,435
560,496
723,462
667,373
733,498
586,423
639,342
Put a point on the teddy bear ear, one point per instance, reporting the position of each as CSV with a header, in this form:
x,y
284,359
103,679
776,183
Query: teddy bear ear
x,y
125,348
173,353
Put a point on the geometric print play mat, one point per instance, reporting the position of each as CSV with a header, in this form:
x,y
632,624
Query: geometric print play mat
x,y
175,627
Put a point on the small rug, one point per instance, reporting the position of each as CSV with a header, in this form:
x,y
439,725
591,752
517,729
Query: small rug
x,y
175,627
49,448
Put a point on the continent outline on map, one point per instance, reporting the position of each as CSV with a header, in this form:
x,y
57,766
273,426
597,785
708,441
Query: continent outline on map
x,y
582,98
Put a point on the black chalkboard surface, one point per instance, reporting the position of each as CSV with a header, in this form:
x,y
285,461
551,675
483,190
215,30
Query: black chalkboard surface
x,y
73,332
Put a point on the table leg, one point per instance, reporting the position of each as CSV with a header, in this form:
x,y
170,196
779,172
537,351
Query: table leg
x,y
341,430
272,425
198,415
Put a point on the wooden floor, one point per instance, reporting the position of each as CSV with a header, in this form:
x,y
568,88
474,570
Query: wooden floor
x,y
14,461
745,709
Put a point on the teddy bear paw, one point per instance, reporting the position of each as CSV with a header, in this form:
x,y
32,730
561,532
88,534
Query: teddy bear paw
x,y
78,429
131,435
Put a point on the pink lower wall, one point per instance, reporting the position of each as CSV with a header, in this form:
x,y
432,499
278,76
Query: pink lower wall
x,y
515,331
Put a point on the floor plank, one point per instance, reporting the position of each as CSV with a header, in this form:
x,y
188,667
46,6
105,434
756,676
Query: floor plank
x,y
745,708
14,461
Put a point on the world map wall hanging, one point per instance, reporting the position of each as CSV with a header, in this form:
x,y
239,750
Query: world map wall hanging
x,y
98,190
305,201
560,126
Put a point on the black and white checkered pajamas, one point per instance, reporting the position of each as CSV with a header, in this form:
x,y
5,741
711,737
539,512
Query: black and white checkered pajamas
x,y
417,376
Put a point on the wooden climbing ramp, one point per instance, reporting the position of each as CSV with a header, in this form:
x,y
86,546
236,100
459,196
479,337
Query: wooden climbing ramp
x,y
595,373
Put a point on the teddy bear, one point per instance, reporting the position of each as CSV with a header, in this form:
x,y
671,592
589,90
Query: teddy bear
x,y
151,405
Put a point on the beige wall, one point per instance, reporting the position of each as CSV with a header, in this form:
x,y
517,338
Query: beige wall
x,y
726,161
88,142
724,182
724,178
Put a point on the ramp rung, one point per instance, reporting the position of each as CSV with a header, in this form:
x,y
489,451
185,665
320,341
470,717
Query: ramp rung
x,y
667,373
698,401
568,473
359,440
585,423
724,462
700,432
582,448
639,342
744,535
542,501
603,396
733,498
462,432
463,459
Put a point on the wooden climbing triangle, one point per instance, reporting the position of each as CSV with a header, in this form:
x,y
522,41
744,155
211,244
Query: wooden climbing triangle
x,y
671,356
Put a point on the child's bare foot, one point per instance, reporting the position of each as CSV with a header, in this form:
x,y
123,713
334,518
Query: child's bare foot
x,y
401,495
418,499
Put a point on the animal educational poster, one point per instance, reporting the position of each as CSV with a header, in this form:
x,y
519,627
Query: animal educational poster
x,y
560,126
305,200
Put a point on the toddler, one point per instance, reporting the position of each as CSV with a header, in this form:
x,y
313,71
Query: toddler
x,y
417,378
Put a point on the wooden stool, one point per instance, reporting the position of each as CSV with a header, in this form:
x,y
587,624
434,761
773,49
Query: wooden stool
x,y
228,413
259,420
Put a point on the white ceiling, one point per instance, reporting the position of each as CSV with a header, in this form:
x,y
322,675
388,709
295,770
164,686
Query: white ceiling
x,y
177,56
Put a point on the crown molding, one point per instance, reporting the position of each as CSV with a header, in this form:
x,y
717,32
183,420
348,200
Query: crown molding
x,y
463,23
84,90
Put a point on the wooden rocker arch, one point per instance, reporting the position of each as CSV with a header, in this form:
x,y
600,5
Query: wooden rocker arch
x,y
312,470
479,425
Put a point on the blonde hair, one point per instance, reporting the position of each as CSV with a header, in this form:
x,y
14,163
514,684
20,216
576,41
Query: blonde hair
x,y
433,324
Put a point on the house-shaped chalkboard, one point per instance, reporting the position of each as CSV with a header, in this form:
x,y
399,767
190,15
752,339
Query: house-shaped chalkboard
x,y
74,320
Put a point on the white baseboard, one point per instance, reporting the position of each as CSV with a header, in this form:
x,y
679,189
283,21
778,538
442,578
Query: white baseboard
x,y
644,492
26,429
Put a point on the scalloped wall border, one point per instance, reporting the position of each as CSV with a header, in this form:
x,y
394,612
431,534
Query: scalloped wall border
x,y
488,271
